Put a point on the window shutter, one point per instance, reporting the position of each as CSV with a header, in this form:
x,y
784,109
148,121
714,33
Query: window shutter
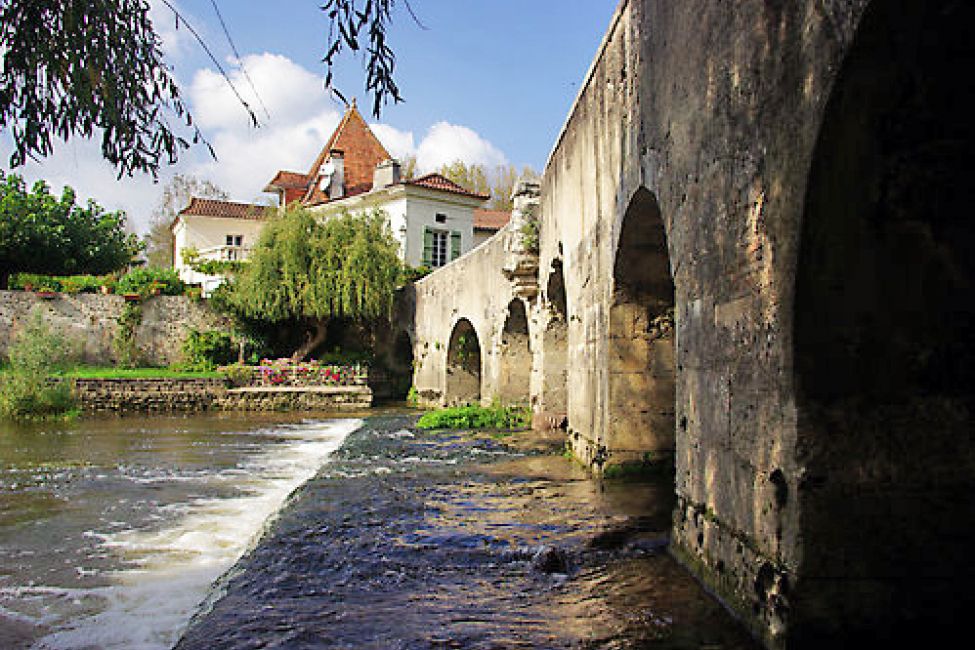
x,y
454,245
427,247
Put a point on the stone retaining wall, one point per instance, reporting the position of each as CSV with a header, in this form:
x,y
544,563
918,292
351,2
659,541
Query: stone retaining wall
x,y
194,395
324,398
91,321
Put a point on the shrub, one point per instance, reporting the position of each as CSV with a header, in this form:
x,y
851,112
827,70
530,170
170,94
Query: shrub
x,y
33,280
81,283
143,280
238,374
127,351
29,387
209,349
477,417
61,283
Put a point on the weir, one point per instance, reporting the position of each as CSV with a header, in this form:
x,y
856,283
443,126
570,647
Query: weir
x,y
754,256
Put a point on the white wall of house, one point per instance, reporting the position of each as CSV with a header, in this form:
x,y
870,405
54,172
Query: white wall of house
x,y
412,210
203,233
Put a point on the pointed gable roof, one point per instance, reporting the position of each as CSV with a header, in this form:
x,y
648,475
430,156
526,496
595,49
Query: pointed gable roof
x,y
362,151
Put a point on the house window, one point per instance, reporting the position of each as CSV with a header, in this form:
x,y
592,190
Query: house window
x,y
435,247
235,240
441,218
439,255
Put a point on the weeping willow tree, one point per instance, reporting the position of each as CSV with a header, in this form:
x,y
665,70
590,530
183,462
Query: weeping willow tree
x,y
312,270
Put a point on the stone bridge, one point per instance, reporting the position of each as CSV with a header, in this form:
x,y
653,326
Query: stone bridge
x,y
754,257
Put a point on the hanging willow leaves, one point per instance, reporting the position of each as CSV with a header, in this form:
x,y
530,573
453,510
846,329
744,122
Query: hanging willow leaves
x,y
306,269
363,25
93,68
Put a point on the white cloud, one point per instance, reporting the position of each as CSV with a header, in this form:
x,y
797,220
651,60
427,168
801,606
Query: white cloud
x,y
176,38
444,143
301,120
398,143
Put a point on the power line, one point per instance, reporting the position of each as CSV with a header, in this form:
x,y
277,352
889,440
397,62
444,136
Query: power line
x,y
240,60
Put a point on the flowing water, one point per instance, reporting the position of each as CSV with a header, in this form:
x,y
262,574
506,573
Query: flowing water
x,y
112,530
213,532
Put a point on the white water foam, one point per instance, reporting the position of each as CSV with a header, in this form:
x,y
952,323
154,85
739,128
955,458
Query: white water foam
x,y
149,604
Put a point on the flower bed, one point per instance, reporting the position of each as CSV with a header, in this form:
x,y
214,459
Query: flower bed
x,y
284,372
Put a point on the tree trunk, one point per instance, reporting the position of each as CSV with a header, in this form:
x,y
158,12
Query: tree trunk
x,y
313,338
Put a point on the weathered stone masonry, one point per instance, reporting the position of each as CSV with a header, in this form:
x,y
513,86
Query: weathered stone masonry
x,y
118,396
91,320
756,234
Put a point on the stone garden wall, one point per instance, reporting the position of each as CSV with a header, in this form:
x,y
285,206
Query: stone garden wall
x,y
119,396
91,321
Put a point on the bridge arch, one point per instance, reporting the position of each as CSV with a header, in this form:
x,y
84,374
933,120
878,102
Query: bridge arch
x,y
515,356
641,335
555,343
884,334
463,368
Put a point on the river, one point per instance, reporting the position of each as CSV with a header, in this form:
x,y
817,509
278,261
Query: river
x,y
112,530
212,532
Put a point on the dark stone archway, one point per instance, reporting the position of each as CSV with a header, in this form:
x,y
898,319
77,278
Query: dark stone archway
x,y
641,336
555,345
515,356
463,384
885,338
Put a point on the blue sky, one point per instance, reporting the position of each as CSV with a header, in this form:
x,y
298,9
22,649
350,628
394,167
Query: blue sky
x,y
488,81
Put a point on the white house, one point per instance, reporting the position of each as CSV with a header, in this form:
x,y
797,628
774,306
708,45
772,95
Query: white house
x,y
216,230
434,219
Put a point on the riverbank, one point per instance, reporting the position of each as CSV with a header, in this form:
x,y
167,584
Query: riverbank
x,y
410,539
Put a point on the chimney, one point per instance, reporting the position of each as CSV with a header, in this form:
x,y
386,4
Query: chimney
x,y
387,173
333,174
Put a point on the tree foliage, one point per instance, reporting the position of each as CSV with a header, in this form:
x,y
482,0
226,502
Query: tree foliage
x,y
176,195
41,233
499,183
311,270
77,67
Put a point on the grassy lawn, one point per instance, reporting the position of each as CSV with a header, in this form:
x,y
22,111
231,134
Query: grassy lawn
x,y
109,372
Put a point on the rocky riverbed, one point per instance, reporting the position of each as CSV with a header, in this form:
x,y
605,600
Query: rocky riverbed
x,y
410,539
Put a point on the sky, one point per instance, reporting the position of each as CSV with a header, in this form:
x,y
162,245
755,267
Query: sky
x,y
484,81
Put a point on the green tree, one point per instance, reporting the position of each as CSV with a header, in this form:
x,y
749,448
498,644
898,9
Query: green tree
x,y
175,196
476,178
76,67
470,177
313,271
41,233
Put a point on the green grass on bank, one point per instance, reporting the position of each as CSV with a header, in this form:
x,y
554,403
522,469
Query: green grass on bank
x,y
477,417
109,372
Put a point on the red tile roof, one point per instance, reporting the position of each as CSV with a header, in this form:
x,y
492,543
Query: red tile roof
x,y
225,209
490,219
362,152
288,180
444,184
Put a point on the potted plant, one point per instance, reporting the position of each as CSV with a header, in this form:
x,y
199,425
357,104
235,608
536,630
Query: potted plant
x,y
156,288
131,297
